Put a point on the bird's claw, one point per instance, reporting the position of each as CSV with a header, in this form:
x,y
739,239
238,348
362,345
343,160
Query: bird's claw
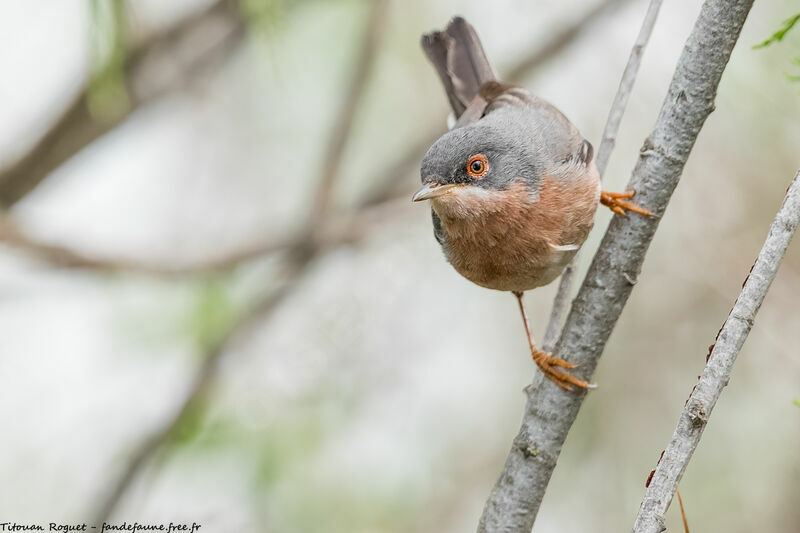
x,y
549,365
616,202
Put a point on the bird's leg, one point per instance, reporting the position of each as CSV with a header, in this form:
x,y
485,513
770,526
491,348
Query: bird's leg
x,y
548,363
616,202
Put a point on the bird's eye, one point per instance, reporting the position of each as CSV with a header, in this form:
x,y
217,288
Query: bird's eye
x,y
477,166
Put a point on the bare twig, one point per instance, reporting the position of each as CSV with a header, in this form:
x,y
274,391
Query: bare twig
x,y
301,256
555,44
338,230
560,303
726,348
198,390
219,28
343,125
549,413
603,155
626,87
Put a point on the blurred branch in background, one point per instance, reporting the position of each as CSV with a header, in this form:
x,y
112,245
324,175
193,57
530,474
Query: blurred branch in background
x,y
338,230
603,155
550,411
164,63
346,228
556,43
200,386
342,126
722,356
300,256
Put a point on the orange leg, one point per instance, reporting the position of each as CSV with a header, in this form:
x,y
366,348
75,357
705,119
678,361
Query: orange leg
x,y
616,202
548,363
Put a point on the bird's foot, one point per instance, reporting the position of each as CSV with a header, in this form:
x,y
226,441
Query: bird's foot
x,y
616,202
549,365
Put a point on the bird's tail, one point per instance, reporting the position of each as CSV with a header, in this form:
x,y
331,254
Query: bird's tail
x,y
458,57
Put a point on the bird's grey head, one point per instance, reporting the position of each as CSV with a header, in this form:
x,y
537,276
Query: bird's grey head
x,y
476,160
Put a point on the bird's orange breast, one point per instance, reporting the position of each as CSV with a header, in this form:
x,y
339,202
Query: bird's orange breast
x,y
513,240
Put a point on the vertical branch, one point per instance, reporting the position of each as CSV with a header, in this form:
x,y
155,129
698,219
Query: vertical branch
x,y
617,111
731,337
603,155
566,281
558,41
549,413
343,124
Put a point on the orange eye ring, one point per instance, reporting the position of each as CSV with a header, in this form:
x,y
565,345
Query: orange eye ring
x,y
477,166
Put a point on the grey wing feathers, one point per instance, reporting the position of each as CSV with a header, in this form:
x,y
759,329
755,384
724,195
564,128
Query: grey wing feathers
x,y
519,97
587,153
460,61
438,231
552,130
563,133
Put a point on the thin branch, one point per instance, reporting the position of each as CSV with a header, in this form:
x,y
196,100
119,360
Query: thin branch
x,y
302,255
558,42
199,389
603,155
614,120
341,128
219,29
338,230
726,348
560,303
550,412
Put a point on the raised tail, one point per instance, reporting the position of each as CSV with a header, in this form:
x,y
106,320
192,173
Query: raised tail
x,y
458,57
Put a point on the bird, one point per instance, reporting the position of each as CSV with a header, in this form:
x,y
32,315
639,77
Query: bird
x,y
513,186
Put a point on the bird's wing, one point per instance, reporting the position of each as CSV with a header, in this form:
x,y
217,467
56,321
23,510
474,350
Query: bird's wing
x,y
438,231
552,129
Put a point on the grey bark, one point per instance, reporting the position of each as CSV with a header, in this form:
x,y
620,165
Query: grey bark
x,y
694,417
607,143
549,413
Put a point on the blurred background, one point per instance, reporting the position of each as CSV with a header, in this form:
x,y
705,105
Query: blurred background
x,y
217,303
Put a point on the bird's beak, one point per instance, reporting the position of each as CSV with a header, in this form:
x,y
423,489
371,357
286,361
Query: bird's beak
x,y
433,190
